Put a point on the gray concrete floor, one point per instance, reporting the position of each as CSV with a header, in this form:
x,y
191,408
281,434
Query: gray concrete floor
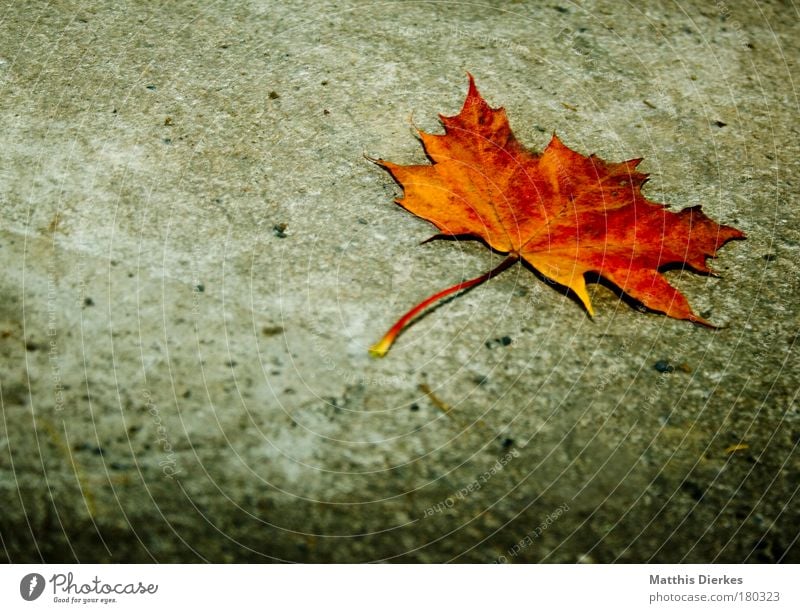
x,y
196,257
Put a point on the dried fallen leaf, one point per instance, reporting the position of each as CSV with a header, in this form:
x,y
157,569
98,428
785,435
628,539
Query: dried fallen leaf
x,y
563,213
737,447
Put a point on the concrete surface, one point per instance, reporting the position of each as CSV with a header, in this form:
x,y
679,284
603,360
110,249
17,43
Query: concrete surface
x,y
196,257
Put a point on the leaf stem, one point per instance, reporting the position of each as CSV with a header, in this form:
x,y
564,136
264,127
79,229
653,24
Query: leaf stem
x,y
380,348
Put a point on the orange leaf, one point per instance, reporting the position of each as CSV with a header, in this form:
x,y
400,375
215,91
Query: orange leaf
x,y
563,213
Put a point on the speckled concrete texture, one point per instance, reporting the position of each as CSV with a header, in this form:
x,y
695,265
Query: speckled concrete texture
x,y
196,256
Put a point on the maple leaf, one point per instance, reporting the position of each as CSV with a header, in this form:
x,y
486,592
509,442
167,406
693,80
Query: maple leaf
x,y
563,213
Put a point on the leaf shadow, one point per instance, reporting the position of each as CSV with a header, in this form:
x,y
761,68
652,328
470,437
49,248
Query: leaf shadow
x,y
598,279
590,277
459,238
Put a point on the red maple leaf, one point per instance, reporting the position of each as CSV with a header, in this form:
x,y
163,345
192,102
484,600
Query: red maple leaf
x,y
563,213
